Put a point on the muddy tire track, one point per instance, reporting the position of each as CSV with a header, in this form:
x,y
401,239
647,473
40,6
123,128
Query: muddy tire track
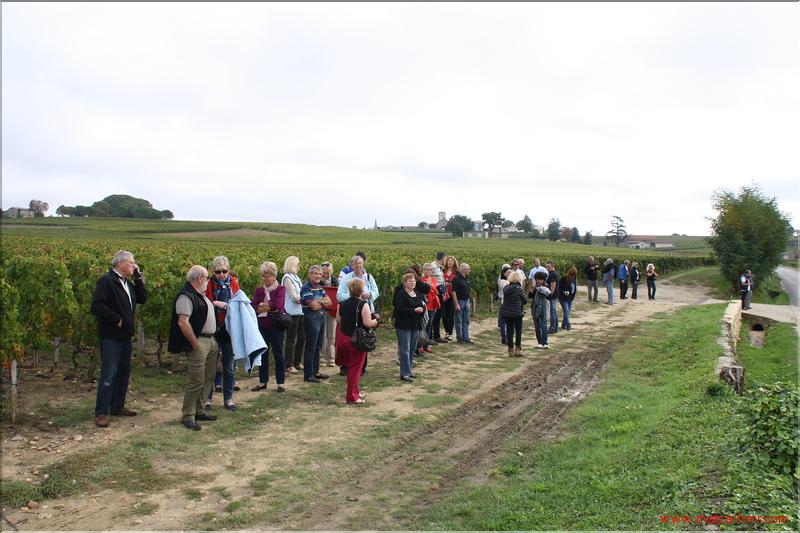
x,y
530,404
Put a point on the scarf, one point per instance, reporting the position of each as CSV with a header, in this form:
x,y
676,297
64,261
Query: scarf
x,y
222,289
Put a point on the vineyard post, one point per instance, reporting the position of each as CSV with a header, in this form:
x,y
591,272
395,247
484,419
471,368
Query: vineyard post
x,y
139,339
14,380
57,353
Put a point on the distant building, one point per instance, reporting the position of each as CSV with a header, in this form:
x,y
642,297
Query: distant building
x,y
18,212
649,242
442,222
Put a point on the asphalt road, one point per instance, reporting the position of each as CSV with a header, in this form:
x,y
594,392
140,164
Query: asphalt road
x,y
789,283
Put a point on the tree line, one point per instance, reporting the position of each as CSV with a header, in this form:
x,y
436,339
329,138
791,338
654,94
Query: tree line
x,y
116,205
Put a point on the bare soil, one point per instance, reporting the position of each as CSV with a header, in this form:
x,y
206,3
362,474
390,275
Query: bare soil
x,y
461,444
227,233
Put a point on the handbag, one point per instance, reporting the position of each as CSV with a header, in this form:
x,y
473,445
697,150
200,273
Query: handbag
x,y
422,338
281,320
363,339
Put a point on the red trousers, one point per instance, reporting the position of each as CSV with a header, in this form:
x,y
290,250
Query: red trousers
x,y
353,360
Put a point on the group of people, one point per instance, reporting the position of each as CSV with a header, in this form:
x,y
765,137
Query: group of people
x,y
543,287
301,325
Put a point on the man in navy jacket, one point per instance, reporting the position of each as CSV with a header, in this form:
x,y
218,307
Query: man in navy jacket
x,y
114,305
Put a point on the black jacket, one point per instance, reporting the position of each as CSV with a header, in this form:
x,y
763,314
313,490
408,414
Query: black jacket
x,y
461,286
513,301
591,271
110,304
404,315
566,289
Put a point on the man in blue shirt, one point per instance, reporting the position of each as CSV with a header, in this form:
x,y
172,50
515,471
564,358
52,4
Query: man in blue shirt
x,y
314,302
623,280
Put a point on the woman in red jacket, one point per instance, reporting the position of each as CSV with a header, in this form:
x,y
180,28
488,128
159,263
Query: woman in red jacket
x,y
433,302
221,287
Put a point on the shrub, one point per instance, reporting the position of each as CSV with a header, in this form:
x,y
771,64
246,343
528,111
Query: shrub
x,y
772,434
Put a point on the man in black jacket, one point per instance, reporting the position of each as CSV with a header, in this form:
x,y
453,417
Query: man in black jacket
x,y
114,304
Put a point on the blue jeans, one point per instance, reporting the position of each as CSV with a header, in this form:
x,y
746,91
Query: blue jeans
x,y
314,329
501,323
115,371
553,316
406,344
566,307
540,325
274,340
228,372
462,321
429,329
610,291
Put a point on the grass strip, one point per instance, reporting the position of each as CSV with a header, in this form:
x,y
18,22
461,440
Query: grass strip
x,y
650,442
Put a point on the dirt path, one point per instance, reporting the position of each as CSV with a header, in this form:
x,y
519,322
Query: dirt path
x,y
313,490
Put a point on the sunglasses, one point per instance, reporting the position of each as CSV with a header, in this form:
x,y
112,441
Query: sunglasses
x,y
220,272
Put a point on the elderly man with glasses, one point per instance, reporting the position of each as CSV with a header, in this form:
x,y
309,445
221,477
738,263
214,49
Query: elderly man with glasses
x,y
114,304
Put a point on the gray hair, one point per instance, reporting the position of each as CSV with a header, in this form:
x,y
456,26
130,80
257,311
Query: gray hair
x,y
355,258
195,272
314,268
326,264
268,267
220,261
121,256
462,266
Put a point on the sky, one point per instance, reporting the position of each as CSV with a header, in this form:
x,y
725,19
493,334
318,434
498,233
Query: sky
x,y
351,113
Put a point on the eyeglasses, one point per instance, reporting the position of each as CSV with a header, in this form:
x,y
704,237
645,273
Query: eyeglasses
x,y
220,272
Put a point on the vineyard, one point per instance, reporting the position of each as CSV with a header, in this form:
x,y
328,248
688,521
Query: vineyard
x,y
50,267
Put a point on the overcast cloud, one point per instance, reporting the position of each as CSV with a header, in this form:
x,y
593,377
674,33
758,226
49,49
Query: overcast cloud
x,y
341,114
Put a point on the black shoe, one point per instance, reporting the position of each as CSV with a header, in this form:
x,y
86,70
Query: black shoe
x,y
407,378
191,424
230,406
412,375
343,371
258,387
321,376
217,388
312,379
205,417
236,388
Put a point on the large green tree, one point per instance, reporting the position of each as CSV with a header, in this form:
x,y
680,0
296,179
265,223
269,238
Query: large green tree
x,y
618,232
117,205
458,224
554,229
525,224
748,233
493,219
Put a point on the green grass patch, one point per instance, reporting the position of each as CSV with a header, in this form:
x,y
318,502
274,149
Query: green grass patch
x,y
649,442
66,414
775,361
193,494
426,401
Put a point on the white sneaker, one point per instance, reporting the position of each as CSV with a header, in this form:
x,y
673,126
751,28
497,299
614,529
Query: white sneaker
x,y
539,346
546,346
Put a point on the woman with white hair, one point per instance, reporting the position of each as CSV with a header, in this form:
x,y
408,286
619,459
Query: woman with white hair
x,y
502,281
512,310
295,335
651,281
220,289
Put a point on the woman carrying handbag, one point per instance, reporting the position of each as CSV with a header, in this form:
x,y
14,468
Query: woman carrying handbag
x,y
352,314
